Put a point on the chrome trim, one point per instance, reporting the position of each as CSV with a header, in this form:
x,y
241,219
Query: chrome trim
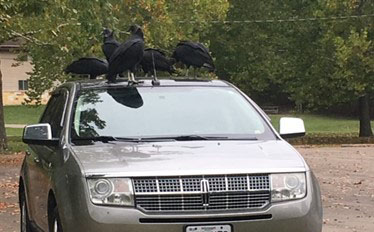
x,y
202,193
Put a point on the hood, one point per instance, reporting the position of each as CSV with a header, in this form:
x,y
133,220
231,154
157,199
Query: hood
x,y
188,158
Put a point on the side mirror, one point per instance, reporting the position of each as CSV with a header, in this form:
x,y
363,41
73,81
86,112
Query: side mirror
x,y
39,134
291,127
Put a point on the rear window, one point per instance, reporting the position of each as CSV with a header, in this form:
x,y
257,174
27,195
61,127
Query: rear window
x,y
167,111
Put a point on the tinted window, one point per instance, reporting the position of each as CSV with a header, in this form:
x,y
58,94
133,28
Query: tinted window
x,y
167,111
54,112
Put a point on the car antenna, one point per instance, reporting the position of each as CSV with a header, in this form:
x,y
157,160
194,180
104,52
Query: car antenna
x,y
155,81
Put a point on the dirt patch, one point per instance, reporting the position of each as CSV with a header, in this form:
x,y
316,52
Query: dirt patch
x,y
9,210
346,176
345,173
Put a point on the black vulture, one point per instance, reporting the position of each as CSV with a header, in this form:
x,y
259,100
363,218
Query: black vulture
x,y
128,55
88,66
110,43
193,54
156,59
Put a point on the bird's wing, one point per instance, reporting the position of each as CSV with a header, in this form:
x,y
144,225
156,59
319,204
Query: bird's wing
x,y
198,47
112,42
123,48
155,50
83,59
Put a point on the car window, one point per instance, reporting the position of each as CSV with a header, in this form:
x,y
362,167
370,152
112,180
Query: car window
x,y
54,112
167,111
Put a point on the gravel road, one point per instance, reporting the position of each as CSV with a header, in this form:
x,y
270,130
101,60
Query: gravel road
x,y
345,173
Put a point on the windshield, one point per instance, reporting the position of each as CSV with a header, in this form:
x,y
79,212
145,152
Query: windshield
x,y
166,112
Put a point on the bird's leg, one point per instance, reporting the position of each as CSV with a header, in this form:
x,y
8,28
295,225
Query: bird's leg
x,y
194,72
188,68
128,76
132,77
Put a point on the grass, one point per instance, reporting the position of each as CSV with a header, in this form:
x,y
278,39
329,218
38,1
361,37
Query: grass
x,y
15,144
11,132
22,114
318,124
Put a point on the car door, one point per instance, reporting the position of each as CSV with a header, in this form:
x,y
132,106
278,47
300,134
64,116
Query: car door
x,y
40,160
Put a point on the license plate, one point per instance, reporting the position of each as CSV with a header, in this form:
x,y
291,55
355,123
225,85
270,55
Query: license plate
x,y
209,228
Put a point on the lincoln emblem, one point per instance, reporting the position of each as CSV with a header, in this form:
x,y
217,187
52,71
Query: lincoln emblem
x,y
205,192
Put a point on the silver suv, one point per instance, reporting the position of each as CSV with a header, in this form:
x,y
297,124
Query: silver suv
x,y
181,156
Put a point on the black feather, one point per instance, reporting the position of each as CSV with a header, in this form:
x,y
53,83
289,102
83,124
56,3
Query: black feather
x,y
161,62
110,43
128,55
88,66
193,54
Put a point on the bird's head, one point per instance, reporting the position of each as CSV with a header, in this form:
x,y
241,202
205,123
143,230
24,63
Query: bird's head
x,y
136,30
107,33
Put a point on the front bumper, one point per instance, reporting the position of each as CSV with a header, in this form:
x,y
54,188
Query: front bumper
x,y
303,215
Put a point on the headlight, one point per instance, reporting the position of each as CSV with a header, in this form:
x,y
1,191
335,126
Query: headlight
x,y
290,186
113,191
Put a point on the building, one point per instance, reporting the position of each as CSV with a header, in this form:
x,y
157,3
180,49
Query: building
x,y
14,75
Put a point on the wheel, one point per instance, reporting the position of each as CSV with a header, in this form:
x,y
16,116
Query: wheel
x,y
24,218
54,222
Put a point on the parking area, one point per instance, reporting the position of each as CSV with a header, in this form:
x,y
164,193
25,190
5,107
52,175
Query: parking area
x,y
346,175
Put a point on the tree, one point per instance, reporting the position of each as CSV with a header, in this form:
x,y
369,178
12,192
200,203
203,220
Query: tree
x,y
265,59
3,139
315,63
7,10
350,48
67,30
13,14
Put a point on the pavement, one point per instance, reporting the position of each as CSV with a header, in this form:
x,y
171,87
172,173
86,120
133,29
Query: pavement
x,y
345,173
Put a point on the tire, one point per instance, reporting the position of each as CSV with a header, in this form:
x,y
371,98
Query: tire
x,y
25,225
55,222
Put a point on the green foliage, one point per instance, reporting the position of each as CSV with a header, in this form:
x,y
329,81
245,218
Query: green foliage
x,y
316,63
67,29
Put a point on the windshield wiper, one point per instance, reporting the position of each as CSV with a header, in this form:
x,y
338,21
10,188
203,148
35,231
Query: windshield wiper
x,y
106,139
187,138
198,137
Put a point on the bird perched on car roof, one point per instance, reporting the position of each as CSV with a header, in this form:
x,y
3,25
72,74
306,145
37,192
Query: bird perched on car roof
x,y
88,66
193,54
127,56
110,43
155,59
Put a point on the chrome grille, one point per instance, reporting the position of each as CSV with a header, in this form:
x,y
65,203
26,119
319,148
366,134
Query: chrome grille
x,y
169,185
225,201
185,193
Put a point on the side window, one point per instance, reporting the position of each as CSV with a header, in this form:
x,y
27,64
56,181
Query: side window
x,y
54,112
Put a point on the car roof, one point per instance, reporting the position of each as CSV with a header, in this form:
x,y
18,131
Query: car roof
x,y
87,84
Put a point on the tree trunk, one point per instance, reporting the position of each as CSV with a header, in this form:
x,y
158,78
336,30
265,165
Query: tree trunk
x,y
364,110
3,140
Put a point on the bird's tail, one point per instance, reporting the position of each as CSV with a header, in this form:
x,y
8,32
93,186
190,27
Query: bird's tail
x,y
111,78
67,70
174,56
172,61
210,67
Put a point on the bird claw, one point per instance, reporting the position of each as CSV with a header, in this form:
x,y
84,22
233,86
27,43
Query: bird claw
x,y
132,82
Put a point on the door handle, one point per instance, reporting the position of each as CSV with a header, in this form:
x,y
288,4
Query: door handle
x,y
36,160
